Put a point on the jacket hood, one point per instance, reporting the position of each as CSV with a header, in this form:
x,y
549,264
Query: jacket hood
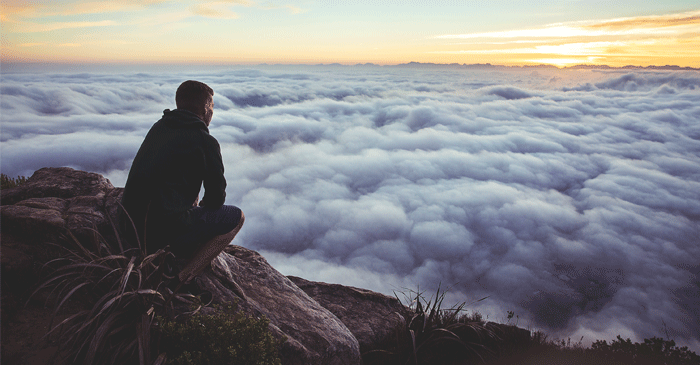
x,y
180,118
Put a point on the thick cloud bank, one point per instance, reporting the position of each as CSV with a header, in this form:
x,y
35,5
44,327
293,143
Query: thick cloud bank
x,y
569,197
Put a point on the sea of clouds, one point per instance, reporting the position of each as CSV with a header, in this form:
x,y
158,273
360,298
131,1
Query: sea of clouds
x,y
570,197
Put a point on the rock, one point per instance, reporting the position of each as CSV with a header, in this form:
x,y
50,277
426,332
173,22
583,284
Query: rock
x,y
61,182
57,201
314,335
372,317
38,217
508,337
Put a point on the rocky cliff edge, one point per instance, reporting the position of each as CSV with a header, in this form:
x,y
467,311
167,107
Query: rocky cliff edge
x,y
322,323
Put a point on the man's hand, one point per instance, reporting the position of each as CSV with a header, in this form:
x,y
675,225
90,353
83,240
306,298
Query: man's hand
x,y
196,201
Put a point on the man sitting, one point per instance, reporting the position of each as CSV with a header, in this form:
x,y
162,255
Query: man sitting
x,y
162,190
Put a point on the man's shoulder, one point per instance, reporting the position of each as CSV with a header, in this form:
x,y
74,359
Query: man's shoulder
x,y
210,140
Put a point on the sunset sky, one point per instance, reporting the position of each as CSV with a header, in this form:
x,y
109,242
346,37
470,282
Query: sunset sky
x,y
559,32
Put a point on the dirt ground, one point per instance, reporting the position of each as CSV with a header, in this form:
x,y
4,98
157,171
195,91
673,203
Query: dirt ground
x,y
23,325
23,339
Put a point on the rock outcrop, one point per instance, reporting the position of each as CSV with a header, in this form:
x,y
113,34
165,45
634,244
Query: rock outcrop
x,y
314,335
372,317
61,182
321,322
56,201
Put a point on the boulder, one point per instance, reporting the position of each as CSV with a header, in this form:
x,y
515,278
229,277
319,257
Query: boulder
x,y
372,317
314,335
57,201
58,182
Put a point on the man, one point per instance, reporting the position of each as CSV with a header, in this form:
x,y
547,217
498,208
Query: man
x,y
162,190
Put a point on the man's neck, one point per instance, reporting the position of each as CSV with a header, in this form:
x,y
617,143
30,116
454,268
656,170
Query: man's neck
x,y
198,115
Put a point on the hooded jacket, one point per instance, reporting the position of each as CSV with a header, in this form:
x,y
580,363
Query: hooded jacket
x,y
176,157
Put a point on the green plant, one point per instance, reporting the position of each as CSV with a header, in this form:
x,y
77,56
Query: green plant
x,y
7,182
225,337
434,335
512,314
653,350
125,291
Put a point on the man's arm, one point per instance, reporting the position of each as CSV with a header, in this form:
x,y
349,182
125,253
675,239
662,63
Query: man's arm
x,y
214,180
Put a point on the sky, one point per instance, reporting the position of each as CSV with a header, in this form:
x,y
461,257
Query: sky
x,y
569,197
504,32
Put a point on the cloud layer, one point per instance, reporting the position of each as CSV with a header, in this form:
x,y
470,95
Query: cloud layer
x,y
569,197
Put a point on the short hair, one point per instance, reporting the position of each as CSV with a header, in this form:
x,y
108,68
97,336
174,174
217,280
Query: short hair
x,y
193,95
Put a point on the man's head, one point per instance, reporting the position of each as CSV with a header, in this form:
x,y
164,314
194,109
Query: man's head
x,y
196,97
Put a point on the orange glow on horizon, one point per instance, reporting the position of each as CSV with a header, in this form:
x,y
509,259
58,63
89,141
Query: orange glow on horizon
x,y
642,41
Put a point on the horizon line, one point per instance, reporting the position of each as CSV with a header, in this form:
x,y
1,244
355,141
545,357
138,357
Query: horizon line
x,y
4,64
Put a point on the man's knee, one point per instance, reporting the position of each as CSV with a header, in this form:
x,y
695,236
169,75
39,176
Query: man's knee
x,y
237,228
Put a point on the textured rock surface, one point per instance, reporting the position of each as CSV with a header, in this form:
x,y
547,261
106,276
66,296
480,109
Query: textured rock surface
x,y
55,201
60,182
315,335
372,317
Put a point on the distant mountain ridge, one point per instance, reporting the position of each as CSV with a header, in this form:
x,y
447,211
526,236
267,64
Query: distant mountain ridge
x,y
540,66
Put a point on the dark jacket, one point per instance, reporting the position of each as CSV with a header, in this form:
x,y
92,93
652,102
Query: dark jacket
x,y
177,155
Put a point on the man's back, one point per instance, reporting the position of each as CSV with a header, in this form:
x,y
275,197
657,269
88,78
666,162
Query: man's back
x,y
177,155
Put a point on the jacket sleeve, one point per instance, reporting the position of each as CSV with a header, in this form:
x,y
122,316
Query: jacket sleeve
x,y
214,180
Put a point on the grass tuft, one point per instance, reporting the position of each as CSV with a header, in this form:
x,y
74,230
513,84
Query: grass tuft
x,y
125,291
435,335
7,182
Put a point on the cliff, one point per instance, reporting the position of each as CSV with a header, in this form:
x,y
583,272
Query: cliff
x,y
322,323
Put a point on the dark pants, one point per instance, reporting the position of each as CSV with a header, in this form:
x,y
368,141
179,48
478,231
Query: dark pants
x,y
207,224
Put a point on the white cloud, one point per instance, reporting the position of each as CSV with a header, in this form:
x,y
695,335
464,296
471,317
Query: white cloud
x,y
29,27
570,197
654,25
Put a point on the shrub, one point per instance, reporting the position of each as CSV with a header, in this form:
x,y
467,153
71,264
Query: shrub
x,y
653,350
434,335
7,182
225,337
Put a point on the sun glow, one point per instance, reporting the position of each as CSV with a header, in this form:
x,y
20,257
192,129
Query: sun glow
x,y
579,49
669,39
